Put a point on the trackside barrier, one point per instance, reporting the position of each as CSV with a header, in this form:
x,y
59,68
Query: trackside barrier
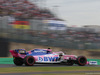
x,y
94,61
6,61
10,61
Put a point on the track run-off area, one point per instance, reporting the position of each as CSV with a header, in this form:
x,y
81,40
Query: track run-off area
x,y
48,69
7,67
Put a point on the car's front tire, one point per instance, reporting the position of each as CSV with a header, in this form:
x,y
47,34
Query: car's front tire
x,y
18,61
29,60
81,61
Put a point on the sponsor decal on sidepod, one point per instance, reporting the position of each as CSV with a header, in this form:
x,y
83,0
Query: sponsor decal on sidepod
x,y
47,58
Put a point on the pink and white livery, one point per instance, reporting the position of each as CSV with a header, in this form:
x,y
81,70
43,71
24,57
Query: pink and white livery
x,y
45,56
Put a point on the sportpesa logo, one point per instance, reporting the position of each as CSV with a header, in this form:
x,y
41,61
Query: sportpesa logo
x,y
47,58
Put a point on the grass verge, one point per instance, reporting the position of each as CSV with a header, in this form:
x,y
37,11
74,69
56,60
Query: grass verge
x,y
64,74
47,69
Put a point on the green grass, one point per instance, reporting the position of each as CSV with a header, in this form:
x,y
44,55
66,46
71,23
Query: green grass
x,y
47,69
63,74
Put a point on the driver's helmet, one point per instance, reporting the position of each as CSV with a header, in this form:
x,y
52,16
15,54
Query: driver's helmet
x,y
49,50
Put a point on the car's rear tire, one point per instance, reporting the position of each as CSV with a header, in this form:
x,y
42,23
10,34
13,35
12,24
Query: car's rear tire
x,y
29,60
81,60
18,61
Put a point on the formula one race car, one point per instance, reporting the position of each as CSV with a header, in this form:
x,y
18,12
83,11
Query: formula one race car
x,y
45,56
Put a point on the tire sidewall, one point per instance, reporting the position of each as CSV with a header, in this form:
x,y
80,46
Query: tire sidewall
x,y
78,60
26,61
18,61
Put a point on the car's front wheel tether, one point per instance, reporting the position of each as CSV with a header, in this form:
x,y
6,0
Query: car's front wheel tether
x,y
29,60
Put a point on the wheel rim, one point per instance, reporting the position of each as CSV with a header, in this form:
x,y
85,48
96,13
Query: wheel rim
x,y
30,60
82,60
18,61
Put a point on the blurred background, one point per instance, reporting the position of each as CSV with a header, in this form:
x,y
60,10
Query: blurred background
x,y
31,24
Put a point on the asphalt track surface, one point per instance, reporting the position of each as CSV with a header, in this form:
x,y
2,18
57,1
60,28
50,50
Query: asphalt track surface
x,y
56,72
43,65
47,65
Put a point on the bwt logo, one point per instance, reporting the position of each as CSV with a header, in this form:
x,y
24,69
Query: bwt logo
x,y
47,58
